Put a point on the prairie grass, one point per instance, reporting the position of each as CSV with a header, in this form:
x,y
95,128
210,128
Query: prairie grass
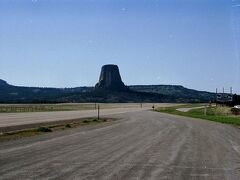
x,y
218,114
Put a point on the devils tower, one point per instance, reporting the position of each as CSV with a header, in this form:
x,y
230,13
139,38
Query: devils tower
x,y
110,79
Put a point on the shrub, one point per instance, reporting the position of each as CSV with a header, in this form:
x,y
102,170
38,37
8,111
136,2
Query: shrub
x,y
44,129
67,126
86,121
235,111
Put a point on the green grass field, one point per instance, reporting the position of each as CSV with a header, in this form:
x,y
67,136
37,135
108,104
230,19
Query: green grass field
x,y
217,114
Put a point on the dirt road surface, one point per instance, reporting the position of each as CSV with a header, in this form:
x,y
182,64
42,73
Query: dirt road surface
x,y
17,119
139,145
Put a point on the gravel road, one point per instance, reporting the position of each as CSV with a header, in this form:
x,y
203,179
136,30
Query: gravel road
x,y
139,145
18,119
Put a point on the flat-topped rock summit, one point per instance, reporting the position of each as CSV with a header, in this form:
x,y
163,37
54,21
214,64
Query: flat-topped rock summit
x,y
110,79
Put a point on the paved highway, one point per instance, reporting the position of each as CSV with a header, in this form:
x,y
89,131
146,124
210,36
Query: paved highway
x,y
139,145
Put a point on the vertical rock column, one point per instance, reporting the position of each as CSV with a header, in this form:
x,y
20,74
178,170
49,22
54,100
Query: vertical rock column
x,y
110,79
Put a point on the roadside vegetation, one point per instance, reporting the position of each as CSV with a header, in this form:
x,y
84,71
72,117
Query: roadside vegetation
x,y
221,114
18,108
48,129
15,108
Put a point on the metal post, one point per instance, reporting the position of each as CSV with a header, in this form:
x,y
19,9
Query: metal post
x,y
205,111
98,112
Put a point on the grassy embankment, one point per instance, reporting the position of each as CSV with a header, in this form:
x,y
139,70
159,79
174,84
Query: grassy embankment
x,y
48,129
18,108
217,114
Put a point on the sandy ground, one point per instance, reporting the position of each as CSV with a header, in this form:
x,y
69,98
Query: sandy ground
x,y
139,145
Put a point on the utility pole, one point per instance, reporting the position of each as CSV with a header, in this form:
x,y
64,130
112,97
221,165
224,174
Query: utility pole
x,y
216,96
231,95
223,97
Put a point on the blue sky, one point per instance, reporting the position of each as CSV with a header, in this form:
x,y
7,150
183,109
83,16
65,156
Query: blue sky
x,y
64,43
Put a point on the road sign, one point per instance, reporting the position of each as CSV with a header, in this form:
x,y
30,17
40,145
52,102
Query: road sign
x,y
222,97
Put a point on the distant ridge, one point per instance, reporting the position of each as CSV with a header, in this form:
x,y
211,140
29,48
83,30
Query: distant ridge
x,y
179,92
139,93
110,88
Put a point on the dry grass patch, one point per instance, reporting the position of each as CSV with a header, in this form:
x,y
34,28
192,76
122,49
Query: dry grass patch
x,y
13,135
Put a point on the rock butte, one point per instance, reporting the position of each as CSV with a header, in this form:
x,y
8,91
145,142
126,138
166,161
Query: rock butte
x,y
110,79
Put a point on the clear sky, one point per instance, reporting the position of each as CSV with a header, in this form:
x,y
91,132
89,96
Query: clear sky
x,y
64,43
